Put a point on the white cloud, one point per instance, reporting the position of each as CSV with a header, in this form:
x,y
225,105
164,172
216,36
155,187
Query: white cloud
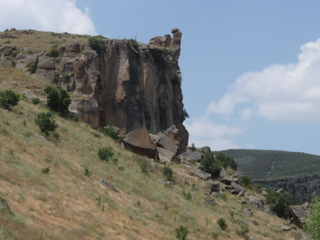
x,y
204,132
280,92
45,15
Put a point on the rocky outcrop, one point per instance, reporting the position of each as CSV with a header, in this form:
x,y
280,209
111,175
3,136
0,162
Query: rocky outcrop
x,y
129,86
300,189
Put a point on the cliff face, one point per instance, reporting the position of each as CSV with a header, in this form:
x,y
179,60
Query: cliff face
x,y
129,85
301,189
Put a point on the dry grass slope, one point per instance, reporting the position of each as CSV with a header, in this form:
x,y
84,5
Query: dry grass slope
x,y
67,204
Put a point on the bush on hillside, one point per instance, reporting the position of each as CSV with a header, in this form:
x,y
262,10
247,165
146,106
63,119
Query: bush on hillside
x,y
279,203
210,165
58,100
246,180
97,43
167,173
226,161
110,132
222,223
46,122
33,68
8,99
105,153
311,224
182,233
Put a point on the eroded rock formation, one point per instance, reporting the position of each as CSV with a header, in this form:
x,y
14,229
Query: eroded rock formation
x,y
129,86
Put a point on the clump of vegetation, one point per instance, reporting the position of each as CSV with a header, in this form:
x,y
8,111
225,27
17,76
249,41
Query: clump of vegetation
x,y
167,173
8,99
182,233
242,229
193,147
311,224
46,122
35,101
86,172
187,195
54,51
246,181
97,43
210,165
279,203
134,43
45,170
105,153
58,100
185,114
222,223
144,168
110,132
33,68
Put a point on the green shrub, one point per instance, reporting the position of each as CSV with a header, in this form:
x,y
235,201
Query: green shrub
x,y
186,195
105,153
110,132
45,170
97,43
210,165
311,224
185,114
86,172
222,223
8,99
279,203
144,168
58,100
13,63
226,161
35,101
33,68
46,122
182,233
134,43
167,173
246,180
193,147
53,53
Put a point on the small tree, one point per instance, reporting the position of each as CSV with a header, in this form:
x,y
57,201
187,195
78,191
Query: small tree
x,y
8,99
97,43
46,122
279,203
246,180
58,100
311,224
210,165
226,161
222,223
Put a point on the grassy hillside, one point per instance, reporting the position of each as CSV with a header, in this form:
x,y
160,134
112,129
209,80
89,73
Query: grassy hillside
x,y
267,164
68,200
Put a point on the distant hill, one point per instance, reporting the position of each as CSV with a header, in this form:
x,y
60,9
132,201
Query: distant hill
x,y
269,164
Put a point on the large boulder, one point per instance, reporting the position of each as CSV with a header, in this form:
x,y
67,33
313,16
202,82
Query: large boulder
x,y
138,141
299,213
200,174
167,144
188,155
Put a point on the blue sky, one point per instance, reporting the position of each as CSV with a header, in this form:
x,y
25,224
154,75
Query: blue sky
x,y
251,69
